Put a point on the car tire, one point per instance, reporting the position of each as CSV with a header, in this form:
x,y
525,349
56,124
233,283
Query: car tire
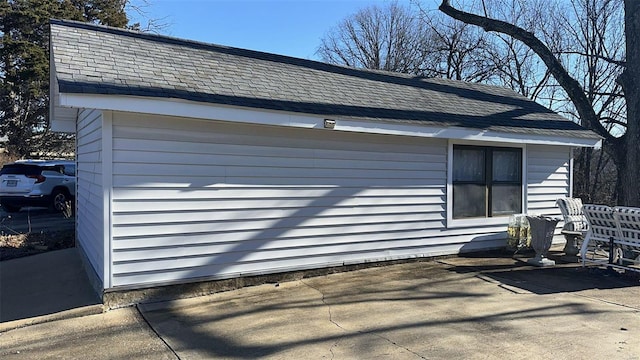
x,y
10,208
59,200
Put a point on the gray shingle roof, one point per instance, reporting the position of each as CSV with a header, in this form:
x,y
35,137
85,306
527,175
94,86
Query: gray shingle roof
x,y
95,59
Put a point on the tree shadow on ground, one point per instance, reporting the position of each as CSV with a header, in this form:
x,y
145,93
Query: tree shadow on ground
x,y
208,335
566,276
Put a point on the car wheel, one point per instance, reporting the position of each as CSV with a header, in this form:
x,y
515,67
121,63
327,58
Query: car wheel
x,y
59,200
11,208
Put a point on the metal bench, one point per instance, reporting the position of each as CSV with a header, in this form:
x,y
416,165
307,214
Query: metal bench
x,y
602,228
613,238
628,241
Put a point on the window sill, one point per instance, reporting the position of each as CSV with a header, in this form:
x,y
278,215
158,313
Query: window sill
x,y
466,223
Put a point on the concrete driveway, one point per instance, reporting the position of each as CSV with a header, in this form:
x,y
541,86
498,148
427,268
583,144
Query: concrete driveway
x,y
483,307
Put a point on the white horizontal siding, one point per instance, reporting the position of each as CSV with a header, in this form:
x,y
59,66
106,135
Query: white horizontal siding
x,y
196,198
89,193
199,199
548,178
151,218
451,245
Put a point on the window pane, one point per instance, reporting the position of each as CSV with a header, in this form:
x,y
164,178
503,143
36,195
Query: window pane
x,y
468,164
506,165
70,170
506,199
469,201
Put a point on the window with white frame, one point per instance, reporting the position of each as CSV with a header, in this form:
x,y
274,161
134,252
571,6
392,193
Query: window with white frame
x,y
487,181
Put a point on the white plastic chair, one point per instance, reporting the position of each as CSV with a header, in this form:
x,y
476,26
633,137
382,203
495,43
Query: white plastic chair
x,y
575,223
574,219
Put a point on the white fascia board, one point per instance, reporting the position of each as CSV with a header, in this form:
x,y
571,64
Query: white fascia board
x,y
191,109
61,119
458,133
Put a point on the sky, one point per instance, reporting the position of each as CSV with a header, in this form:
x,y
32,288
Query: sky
x,y
286,27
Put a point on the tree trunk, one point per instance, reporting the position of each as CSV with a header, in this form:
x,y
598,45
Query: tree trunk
x,y
629,174
617,153
587,171
582,178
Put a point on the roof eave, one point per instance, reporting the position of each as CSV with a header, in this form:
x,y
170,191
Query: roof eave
x,y
209,111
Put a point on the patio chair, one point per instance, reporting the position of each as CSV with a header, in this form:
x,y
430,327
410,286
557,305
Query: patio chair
x,y
602,228
575,223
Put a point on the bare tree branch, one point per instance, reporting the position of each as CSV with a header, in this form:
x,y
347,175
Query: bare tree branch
x,y
610,120
569,84
597,56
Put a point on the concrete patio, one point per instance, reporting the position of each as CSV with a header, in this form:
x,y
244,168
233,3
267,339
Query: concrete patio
x,y
488,306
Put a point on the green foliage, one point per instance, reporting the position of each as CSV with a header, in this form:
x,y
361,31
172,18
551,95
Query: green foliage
x,y
24,69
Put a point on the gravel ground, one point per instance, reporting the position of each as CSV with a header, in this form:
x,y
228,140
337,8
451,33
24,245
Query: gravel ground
x,y
19,245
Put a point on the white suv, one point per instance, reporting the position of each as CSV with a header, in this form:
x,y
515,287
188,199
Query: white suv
x,y
49,183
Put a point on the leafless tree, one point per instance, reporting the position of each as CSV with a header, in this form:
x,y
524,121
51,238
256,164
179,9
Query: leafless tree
x,y
388,38
517,66
405,39
584,68
580,33
456,50
592,31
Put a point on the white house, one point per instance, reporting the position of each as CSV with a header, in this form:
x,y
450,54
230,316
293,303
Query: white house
x,y
203,162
